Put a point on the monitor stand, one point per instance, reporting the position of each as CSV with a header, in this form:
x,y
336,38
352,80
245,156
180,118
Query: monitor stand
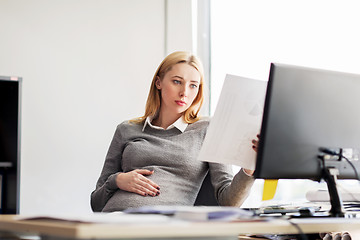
x,y
329,174
330,177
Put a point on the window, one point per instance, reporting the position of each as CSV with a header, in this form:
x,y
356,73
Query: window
x,y
246,36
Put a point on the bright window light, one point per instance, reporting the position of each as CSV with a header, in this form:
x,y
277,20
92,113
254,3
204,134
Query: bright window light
x,y
247,35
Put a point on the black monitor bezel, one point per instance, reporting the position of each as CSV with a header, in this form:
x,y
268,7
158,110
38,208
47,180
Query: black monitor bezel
x,y
315,172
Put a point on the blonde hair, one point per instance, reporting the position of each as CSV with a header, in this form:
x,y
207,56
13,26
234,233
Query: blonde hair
x,y
154,98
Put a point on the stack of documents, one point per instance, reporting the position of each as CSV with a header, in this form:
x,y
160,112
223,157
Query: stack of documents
x,y
199,213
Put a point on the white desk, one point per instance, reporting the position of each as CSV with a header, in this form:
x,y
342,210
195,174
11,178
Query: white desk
x,y
51,229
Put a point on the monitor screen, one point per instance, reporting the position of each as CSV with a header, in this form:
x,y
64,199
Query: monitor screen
x,y
307,109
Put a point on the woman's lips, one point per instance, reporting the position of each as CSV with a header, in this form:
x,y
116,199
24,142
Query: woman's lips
x,y
180,103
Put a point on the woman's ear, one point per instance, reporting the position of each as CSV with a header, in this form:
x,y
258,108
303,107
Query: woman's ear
x,y
158,83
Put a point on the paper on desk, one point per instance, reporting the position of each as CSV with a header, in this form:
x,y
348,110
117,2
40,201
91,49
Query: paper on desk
x,y
236,121
195,213
114,217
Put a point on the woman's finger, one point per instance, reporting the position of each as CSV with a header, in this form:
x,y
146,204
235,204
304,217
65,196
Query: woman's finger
x,y
145,190
144,171
139,191
149,182
145,179
150,188
255,144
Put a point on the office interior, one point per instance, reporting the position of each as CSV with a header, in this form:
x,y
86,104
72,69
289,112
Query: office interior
x,y
87,65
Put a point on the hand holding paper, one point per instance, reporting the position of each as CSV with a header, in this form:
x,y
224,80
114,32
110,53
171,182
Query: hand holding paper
x,y
235,123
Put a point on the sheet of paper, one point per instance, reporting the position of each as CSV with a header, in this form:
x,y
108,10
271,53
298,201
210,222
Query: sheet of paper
x,y
236,121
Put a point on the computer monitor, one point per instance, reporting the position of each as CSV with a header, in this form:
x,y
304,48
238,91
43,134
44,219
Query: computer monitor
x,y
10,111
310,126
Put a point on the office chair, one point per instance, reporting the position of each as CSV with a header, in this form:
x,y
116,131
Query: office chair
x,y
206,195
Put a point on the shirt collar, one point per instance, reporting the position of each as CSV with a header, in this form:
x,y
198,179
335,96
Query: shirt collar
x,y
180,124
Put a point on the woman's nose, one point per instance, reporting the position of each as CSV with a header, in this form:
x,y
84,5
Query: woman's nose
x,y
183,92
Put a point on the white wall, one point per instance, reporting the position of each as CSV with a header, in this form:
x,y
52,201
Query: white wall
x,y
179,21
86,66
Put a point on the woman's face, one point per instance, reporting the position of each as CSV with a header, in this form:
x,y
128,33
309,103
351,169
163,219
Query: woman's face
x,y
179,88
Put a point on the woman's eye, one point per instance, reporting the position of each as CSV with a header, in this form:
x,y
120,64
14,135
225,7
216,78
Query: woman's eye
x,y
193,86
176,81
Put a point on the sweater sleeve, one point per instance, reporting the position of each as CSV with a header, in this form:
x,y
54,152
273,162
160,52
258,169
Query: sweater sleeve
x,y
230,190
106,184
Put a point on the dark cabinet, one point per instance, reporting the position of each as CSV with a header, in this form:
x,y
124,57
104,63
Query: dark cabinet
x,y
10,112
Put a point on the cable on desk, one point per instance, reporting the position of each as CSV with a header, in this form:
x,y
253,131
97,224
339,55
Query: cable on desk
x,y
300,231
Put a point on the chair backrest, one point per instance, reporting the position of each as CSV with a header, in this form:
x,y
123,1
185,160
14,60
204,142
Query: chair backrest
x,y
206,195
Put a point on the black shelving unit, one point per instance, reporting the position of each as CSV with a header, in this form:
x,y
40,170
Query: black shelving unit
x,y
10,112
